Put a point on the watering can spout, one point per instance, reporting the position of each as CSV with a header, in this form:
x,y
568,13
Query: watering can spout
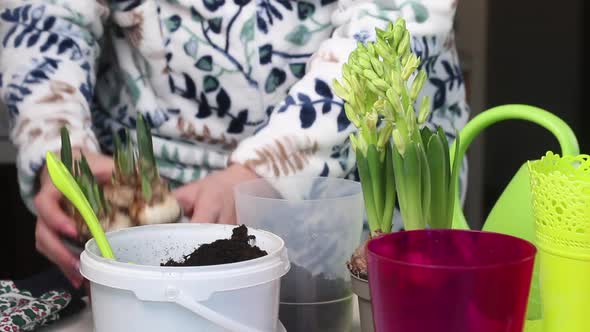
x,y
459,221
511,207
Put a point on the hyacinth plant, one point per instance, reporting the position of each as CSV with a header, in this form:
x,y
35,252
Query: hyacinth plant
x,y
136,195
397,155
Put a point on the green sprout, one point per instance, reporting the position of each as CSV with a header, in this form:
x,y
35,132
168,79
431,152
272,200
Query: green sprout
x,y
124,157
80,170
148,169
136,165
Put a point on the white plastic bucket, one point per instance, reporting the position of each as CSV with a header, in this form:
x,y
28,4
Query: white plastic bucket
x,y
135,294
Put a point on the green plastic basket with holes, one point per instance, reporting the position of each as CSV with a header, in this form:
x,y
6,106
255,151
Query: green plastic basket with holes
x,y
560,189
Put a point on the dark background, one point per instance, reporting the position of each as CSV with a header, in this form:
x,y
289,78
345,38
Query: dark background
x,y
19,258
535,51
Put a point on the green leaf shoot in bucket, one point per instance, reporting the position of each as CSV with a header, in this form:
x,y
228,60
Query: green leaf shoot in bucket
x,y
66,184
398,156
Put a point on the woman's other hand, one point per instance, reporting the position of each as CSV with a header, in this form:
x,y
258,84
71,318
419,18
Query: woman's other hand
x,y
211,199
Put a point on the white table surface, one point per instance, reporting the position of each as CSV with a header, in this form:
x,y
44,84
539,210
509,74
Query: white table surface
x,y
82,322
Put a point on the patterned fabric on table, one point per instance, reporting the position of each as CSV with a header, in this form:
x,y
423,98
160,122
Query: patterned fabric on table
x,y
20,311
27,304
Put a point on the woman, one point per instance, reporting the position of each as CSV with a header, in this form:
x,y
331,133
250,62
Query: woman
x,y
232,89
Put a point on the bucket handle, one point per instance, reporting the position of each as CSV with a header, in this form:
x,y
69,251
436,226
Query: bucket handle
x,y
559,128
211,315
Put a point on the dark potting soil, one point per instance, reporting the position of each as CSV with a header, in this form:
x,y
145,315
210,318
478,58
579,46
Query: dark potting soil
x,y
332,314
321,317
301,286
236,249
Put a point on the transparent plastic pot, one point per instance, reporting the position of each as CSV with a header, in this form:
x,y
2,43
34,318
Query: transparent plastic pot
x,y
320,219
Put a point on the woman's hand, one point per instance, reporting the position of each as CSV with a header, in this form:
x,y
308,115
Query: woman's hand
x,y
53,222
211,199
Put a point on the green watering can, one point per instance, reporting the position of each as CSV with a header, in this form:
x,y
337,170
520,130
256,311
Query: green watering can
x,y
512,214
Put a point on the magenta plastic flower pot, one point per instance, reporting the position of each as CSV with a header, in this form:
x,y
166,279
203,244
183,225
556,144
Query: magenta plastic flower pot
x,y
449,281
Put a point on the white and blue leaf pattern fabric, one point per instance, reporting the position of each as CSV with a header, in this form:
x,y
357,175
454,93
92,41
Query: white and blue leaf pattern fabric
x,y
219,81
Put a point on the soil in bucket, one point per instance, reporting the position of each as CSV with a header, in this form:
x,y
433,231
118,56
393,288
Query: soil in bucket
x,y
314,303
238,248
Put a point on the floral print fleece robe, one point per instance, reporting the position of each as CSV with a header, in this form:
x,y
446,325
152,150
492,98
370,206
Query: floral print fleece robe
x,y
220,81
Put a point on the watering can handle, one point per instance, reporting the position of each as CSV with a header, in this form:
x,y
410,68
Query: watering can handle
x,y
564,134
